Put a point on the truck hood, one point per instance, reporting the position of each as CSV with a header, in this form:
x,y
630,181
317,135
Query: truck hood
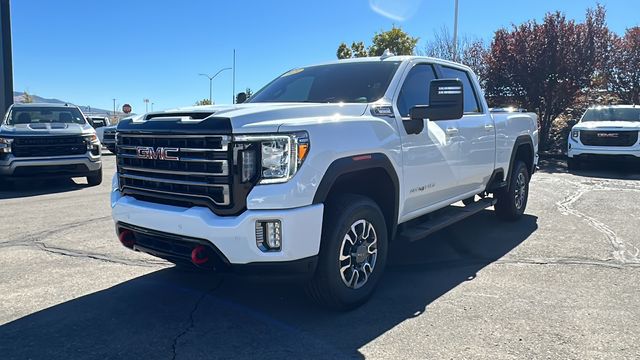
x,y
268,117
46,129
608,125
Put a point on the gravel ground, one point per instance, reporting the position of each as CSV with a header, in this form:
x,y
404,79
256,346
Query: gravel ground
x,y
563,282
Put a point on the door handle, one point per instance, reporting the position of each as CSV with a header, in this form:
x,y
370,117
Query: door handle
x,y
488,127
452,131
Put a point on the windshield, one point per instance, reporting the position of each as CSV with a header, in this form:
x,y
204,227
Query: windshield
x,y
612,114
350,82
39,115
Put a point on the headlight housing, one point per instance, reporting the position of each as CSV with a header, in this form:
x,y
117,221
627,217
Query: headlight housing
x,y
280,156
575,134
5,145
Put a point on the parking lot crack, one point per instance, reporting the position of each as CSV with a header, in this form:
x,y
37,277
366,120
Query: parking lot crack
x,y
191,322
622,252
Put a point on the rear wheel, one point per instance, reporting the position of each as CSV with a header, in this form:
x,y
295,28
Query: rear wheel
x,y
512,201
95,178
353,253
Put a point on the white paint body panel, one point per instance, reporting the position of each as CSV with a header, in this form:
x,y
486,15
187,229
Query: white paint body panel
x,y
457,166
577,148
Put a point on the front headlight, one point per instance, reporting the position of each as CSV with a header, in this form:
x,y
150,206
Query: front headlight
x,y
5,145
92,140
281,155
575,134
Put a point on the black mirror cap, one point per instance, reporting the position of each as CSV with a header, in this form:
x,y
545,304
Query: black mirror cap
x,y
446,101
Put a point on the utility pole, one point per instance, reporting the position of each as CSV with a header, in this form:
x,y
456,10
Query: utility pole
x,y
455,32
6,62
233,90
152,107
211,82
114,108
146,105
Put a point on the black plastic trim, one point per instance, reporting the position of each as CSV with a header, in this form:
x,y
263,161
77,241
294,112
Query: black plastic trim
x,y
521,140
175,126
351,164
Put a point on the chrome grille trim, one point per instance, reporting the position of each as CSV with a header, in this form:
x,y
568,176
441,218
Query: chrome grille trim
x,y
182,177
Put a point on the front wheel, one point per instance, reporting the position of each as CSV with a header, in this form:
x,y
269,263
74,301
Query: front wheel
x,y
353,253
573,164
95,178
512,201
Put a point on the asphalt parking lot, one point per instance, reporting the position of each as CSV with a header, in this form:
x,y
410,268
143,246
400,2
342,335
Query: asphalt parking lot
x,y
563,282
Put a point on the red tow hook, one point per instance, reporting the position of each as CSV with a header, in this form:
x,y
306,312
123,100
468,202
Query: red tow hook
x,y
127,237
199,255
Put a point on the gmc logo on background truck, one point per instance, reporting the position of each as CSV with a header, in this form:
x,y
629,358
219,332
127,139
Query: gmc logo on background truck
x,y
161,153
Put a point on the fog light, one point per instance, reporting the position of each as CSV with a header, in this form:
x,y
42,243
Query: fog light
x,y
269,235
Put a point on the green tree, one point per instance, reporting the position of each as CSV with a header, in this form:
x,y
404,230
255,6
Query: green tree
x,y
396,40
343,51
203,102
358,49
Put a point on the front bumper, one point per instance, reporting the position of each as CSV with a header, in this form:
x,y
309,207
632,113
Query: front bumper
x,y
233,237
68,166
577,150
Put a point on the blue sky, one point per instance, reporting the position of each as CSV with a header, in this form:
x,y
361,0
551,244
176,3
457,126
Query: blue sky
x,y
89,52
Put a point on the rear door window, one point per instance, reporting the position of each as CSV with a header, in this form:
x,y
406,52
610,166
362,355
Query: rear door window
x,y
471,103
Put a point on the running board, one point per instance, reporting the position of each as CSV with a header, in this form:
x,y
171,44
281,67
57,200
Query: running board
x,y
444,218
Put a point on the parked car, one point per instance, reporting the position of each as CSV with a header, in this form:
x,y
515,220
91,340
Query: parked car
x,y
49,140
605,132
99,123
320,170
109,138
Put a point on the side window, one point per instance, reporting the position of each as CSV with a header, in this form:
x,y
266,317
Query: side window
x,y
470,100
415,90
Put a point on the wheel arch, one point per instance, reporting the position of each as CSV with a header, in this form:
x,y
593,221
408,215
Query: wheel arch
x,y
522,150
370,175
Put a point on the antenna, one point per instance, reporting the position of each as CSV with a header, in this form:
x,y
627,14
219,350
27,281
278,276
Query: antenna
x,y
386,54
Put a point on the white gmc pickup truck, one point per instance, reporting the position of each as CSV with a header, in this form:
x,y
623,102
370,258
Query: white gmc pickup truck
x,y
605,132
320,170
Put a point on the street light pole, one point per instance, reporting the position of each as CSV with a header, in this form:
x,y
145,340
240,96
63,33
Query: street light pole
x,y
211,82
114,108
6,63
455,32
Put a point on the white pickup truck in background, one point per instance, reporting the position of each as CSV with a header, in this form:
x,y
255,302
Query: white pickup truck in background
x,y
605,132
320,170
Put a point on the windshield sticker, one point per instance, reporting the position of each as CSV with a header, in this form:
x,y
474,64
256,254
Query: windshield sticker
x,y
293,72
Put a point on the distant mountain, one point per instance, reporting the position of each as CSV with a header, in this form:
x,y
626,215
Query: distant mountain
x,y
18,97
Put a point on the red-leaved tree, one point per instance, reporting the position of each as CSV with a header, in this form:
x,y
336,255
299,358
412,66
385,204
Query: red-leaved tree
x,y
625,70
544,66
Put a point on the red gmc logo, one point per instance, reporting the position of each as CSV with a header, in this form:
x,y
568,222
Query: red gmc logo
x,y
161,153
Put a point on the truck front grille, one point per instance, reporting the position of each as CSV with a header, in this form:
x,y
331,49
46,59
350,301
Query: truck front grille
x,y
194,170
41,146
608,138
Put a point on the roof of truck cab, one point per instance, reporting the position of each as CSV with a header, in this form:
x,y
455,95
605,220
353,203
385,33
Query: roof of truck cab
x,y
621,106
60,105
402,58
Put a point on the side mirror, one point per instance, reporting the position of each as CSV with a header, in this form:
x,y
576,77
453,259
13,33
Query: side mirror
x,y
571,123
242,97
446,101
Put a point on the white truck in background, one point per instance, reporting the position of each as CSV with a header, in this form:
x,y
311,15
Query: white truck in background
x,y
320,170
607,132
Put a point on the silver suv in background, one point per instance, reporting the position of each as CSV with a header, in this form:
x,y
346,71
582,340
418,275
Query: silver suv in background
x,y
49,140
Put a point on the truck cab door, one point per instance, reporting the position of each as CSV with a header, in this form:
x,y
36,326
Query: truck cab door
x,y
477,136
429,156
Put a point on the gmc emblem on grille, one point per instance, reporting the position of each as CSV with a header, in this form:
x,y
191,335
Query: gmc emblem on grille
x,y
161,153
608,135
